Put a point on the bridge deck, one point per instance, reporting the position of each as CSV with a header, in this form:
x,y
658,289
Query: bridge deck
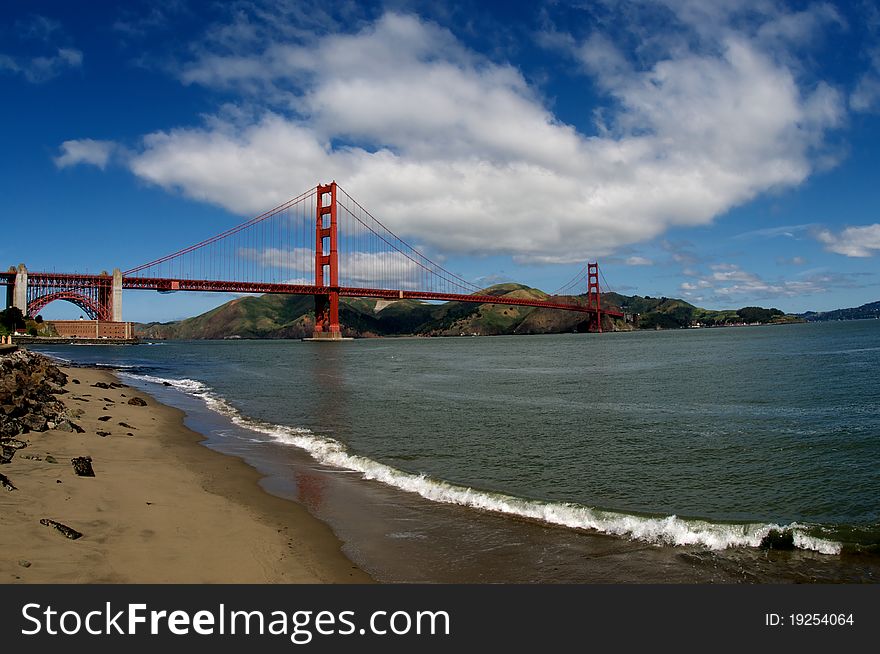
x,y
163,284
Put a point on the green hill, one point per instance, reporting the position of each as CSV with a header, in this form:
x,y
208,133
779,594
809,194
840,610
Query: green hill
x,y
292,316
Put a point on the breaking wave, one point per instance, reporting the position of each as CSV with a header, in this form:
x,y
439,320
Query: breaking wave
x,y
665,530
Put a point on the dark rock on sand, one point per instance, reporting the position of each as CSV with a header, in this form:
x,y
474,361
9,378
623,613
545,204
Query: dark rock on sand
x,y
68,532
69,425
778,540
50,459
103,434
5,483
100,384
82,466
105,418
24,563
33,422
14,443
136,401
6,454
126,425
9,426
118,385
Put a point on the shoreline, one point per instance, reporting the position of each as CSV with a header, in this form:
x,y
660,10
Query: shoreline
x,y
162,508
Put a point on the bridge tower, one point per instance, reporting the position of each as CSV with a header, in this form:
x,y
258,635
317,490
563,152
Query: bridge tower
x,y
594,299
116,296
19,292
327,304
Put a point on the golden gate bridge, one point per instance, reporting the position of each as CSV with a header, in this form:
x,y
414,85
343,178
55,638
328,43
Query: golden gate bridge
x,y
320,243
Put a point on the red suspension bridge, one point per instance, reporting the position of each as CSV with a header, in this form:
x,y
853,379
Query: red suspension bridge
x,y
321,243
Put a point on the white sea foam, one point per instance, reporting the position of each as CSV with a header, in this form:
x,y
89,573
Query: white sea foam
x,y
667,530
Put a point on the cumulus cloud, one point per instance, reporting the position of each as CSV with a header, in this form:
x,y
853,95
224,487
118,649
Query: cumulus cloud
x,y
638,261
84,151
41,69
853,241
461,154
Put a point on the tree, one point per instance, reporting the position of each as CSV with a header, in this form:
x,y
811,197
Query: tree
x,y
12,319
39,319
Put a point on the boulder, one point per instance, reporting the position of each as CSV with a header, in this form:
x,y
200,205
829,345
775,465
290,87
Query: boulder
x,y
6,454
33,422
82,466
14,443
69,425
777,539
9,426
5,483
136,401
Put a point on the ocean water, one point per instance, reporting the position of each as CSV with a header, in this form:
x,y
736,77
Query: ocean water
x,y
689,445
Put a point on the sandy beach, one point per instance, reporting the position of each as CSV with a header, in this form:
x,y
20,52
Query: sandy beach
x,y
161,508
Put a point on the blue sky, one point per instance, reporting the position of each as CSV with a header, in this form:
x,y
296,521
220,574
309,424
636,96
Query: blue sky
x,y
724,152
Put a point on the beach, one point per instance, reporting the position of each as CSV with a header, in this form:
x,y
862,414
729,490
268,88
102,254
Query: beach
x,y
161,508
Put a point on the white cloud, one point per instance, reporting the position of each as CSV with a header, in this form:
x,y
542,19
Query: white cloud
x,y
853,241
462,155
41,69
729,283
84,151
866,94
638,261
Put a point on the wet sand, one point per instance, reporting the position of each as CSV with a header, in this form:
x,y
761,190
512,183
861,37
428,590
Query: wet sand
x,y
161,508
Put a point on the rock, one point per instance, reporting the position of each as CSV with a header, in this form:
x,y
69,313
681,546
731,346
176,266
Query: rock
x,y
5,483
105,418
31,457
33,422
68,532
778,540
126,425
9,426
82,466
50,424
28,385
118,385
69,425
14,443
75,413
74,381
100,385
24,563
166,384
128,433
50,459
136,401
107,399
6,454
102,434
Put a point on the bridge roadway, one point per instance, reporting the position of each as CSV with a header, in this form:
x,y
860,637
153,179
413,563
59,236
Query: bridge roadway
x,y
170,285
